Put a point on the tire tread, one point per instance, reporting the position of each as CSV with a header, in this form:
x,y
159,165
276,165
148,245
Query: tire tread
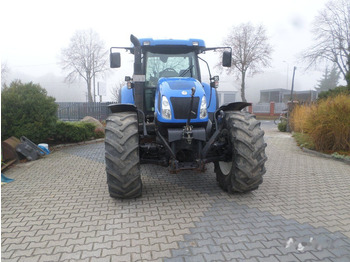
x,y
121,155
249,155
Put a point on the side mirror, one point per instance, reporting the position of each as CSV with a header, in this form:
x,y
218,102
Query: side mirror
x,y
226,59
114,60
214,81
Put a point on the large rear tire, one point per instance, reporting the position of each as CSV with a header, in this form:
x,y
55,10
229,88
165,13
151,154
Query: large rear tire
x,y
244,172
122,155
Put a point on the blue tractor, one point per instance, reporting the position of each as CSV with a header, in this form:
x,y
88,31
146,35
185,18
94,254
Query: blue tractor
x,y
167,116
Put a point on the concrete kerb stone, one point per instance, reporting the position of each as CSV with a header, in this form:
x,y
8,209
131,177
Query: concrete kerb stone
x,y
320,154
346,161
88,142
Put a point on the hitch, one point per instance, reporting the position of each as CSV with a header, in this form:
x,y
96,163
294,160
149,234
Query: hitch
x,y
187,131
219,123
188,134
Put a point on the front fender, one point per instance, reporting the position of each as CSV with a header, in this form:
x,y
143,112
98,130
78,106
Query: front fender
x,y
235,106
117,108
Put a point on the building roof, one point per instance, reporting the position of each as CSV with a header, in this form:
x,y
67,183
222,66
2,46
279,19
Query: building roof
x,y
282,90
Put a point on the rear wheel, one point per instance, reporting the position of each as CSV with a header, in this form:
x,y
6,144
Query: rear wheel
x,y
244,172
122,155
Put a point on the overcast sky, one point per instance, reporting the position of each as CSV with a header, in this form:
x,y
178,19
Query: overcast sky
x,y
34,32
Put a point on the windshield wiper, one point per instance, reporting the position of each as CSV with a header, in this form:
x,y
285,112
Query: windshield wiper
x,y
185,72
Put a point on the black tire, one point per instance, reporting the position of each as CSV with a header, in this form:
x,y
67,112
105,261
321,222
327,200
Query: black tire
x,y
245,171
122,155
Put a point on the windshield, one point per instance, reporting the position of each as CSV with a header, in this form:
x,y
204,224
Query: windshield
x,y
169,65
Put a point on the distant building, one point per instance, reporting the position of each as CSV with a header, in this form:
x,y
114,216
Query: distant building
x,y
283,95
273,95
225,97
302,96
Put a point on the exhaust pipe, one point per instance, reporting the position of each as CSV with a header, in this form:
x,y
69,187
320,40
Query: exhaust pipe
x,y
137,53
138,86
134,40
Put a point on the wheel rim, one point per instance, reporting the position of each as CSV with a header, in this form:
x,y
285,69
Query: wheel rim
x,y
225,167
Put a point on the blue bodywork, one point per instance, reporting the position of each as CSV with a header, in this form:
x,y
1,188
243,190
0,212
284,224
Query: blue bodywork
x,y
178,87
211,95
127,95
173,87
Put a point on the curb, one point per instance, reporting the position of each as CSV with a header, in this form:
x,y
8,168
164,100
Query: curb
x,y
57,147
346,161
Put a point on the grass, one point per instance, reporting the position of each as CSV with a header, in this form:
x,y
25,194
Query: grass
x,y
324,126
300,117
327,123
304,140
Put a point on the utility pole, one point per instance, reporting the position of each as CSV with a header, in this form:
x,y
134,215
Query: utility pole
x,y
291,103
93,75
291,93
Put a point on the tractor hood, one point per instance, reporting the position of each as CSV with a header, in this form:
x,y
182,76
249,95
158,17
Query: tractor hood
x,y
177,91
180,86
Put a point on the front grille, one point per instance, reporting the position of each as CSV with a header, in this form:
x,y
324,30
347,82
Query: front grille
x,y
181,106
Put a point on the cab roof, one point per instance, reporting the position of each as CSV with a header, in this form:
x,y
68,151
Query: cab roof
x,y
172,46
192,42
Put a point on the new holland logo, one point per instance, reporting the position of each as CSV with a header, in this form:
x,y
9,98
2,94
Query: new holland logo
x,y
184,93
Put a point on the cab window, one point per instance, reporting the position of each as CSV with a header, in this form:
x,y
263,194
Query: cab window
x,y
169,65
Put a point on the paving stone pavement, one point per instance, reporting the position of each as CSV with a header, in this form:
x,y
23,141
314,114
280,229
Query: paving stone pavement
x,y
58,209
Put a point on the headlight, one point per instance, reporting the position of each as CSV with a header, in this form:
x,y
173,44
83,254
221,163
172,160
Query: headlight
x,y
166,111
203,111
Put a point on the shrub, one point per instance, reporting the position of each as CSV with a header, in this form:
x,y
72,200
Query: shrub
x,y
99,132
74,131
299,117
334,92
27,110
282,126
328,124
99,127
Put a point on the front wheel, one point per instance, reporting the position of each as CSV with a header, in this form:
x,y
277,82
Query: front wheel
x,y
244,172
122,155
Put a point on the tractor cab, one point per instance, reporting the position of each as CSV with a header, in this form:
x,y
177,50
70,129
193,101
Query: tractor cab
x,y
166,63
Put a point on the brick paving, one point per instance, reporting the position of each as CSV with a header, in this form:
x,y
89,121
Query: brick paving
x,y
58,209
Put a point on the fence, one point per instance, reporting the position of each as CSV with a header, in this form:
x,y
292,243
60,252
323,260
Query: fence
x,y
267,109
75,111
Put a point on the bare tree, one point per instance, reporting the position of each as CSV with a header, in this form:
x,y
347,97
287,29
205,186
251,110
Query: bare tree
x,y
85,57
250,51
115,92
331,30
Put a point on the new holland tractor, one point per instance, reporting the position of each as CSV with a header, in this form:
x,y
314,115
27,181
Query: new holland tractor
x,y
167,116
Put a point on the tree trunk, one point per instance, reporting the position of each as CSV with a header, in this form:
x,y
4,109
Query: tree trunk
x,y
243,88
88,82
347,79
89,90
